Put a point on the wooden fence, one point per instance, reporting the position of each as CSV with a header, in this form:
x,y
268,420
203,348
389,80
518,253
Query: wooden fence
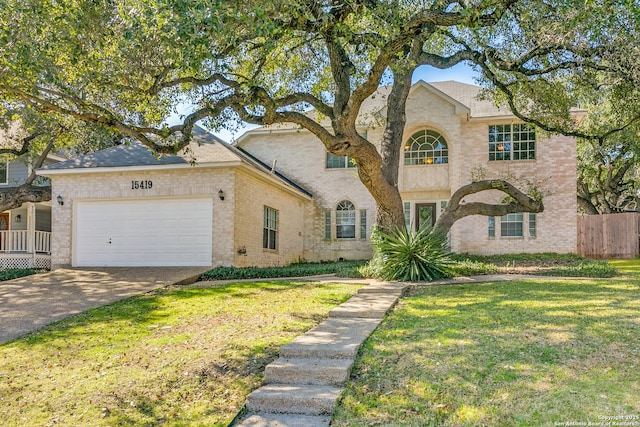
x,y
609,236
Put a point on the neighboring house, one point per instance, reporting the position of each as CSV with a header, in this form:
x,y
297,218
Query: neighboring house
x,y
451,137
25,232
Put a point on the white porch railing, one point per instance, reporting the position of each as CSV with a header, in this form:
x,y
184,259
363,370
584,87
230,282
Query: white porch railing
x,y
18,241
43,242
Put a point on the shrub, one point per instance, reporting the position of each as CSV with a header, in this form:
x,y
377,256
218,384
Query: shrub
x,y
14,273
342,268
467,267
410,255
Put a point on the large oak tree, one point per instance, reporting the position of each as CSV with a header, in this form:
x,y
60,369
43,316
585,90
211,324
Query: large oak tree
x,y
126,64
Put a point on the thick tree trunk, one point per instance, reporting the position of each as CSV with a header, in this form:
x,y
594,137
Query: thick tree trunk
x,y
390,214
390,147
587,207
389,209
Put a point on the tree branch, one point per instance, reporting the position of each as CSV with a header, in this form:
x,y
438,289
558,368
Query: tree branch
x,y
25,146
457,209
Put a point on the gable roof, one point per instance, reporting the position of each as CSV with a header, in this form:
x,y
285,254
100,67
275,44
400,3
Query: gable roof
x,y
471,97
465,98
204,150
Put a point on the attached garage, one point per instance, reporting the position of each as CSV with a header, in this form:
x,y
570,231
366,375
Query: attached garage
x,y
202,207
143,233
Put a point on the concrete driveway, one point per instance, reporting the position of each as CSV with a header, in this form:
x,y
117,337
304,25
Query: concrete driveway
x,y
34,301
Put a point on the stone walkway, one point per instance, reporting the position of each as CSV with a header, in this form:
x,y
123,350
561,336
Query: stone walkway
x,y
302,387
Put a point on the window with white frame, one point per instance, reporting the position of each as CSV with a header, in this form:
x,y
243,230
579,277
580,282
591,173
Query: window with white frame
x,y
327,224
4,170
491,222
339,162
511,225
345,220
407,214
270,229
532,225
363,223
426,147
512,142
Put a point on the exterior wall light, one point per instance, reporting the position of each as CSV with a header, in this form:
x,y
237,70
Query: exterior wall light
x,y
220,194
59,199
18,218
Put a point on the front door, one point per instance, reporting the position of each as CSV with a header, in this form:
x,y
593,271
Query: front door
x,y
425,214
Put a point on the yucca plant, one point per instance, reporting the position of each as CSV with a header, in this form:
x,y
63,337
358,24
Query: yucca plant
x,y
411,255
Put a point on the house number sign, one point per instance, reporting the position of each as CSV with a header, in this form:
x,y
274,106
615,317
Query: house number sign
x,y
145,184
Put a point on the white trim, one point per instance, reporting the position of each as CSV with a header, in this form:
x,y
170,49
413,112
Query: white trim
x,y
253,170
266,131
56,158
509,117
73,171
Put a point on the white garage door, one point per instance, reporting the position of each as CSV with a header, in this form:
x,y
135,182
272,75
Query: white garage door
x,y
140,233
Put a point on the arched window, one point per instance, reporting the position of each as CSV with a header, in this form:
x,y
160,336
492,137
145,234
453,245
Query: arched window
x,y
426,147
345,220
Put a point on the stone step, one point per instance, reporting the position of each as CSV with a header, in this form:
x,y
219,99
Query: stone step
x,y
366,305
292,399
308,371
335,338
281,420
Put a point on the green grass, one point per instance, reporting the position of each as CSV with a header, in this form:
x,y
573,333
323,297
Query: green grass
x,y
14,273
545,264
521,353
176,358
342,268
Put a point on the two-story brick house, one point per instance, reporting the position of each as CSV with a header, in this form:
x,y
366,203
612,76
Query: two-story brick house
x,y
451,137
278,196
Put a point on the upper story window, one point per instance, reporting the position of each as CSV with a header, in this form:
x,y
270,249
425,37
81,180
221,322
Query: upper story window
x,y
426,147
345,220
4,170
512,142
337,162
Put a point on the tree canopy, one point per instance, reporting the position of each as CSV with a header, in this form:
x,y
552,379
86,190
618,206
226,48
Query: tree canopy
x,y
126,64
608,173
32,136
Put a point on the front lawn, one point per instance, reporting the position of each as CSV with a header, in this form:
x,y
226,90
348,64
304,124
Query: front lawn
x,y
521,353
179,357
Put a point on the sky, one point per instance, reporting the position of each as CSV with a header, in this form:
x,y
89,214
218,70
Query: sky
x,y
461,72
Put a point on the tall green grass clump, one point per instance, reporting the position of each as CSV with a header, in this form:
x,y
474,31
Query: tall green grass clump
x,y
409,255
